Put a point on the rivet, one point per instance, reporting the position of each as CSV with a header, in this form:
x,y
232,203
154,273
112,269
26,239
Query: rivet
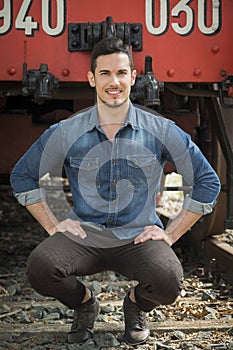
x,y
75,29
135,28
170,72
197,72
215,49
65,72
136,44
12,71
74,43
223,72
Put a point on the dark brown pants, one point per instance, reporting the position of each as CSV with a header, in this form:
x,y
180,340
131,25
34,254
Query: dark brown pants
x,y
55,264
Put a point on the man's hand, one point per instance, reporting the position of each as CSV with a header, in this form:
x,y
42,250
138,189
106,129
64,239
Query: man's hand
x,y
71,226
155,233
176,228
45,217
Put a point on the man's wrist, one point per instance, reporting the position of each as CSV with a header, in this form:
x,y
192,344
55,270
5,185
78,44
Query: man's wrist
x,y
51,230
169,239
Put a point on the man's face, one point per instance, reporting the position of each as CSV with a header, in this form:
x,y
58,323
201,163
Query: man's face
x,y
112,79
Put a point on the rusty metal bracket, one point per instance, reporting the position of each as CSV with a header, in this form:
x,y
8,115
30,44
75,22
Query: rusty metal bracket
x,y
84,36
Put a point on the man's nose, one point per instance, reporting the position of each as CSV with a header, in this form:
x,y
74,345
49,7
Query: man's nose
x,y
114,80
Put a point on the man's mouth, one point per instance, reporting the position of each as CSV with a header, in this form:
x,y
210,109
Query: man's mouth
x,y
113,92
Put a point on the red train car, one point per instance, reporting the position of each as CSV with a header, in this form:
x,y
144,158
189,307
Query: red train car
x,y
190,41
183,54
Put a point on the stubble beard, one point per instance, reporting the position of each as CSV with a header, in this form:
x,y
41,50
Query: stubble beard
x,y
114,104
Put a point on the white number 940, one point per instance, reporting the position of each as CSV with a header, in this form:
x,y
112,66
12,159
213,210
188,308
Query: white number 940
x,y
25,22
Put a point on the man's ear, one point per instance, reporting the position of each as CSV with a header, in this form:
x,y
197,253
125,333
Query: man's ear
x,y
133,77
91,78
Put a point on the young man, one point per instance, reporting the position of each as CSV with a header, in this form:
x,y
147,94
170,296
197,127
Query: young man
x,y
113,154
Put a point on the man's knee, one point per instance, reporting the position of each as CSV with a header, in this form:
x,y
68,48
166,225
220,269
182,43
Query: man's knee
x,y
170,291
169,283
164,293
162,286
40,271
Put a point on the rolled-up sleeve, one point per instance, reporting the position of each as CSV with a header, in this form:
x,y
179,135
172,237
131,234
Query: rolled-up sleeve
x,y
195,170
31,197
198,207
34,164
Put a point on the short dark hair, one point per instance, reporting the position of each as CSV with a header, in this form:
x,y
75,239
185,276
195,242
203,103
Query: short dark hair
x,y
109,46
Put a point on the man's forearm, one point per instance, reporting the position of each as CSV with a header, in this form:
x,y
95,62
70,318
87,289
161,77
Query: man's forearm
x,y
181,224
42,213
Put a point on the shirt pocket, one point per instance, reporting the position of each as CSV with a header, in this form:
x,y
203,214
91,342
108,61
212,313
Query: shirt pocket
x,y
86,171
143,170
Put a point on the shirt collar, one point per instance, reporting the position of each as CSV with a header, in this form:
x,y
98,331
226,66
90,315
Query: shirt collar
x,y
131,118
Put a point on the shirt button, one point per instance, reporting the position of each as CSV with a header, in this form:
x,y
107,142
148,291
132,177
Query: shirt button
x,y
113,183
114,161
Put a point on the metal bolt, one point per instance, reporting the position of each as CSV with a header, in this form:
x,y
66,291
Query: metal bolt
x,y
135,28
215,49
197,72
65,72
74,43
170,72
223,73
136,44
12,71
75,29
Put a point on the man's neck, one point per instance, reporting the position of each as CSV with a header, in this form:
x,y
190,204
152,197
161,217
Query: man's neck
x,y
112,118
108,114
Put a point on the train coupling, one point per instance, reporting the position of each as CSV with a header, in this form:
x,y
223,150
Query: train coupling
x,y
39,83
147,88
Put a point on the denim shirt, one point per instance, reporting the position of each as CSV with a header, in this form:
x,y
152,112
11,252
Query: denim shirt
x,y
114,182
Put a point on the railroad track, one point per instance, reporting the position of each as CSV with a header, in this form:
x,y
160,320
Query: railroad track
x,y
201,318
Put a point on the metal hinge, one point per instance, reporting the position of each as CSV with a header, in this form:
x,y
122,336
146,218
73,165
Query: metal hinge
x,y
84,36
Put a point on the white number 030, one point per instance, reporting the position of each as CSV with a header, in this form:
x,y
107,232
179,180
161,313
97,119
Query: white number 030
x,y
26,22
183,8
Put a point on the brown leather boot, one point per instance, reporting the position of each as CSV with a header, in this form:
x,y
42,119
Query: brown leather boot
x,y
83,322
136,326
